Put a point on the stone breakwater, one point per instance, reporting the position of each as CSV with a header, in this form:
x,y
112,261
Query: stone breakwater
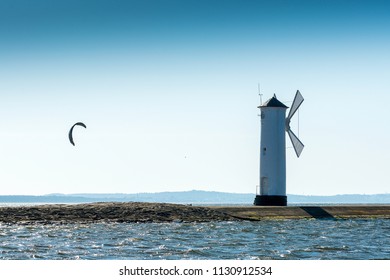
x,y
128,212
111,212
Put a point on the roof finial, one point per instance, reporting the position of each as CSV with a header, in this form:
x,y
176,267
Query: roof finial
x,y
258,88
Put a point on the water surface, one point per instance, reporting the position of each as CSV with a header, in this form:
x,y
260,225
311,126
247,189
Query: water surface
x,y
277,239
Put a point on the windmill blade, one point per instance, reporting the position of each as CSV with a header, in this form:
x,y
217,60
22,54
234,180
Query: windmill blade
x,y
297,144
70,135
298,99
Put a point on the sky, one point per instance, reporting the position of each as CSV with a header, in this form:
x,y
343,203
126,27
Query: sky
x,y
168,91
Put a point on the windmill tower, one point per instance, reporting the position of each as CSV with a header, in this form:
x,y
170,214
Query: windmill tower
x,y
274,124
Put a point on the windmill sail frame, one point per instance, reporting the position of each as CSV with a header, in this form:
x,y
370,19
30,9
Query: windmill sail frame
x,y
297,144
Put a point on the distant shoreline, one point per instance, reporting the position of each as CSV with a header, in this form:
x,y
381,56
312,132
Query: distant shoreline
x,y
141,212
193,197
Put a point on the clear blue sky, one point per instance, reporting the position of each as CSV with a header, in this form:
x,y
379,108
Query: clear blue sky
x,y
168,91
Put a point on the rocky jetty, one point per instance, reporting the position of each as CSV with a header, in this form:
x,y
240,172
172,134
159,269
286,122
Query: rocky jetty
x,y
111,212
142,212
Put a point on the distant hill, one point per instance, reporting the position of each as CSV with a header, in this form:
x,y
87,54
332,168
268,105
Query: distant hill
x,y
194,197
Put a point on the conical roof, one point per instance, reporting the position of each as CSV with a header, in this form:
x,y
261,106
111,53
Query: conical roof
x,y
273,102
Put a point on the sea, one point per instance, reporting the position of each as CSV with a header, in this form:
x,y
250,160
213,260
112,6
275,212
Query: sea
x,y
289,239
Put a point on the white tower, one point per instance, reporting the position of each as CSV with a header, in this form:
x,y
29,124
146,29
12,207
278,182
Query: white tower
x,y
273,150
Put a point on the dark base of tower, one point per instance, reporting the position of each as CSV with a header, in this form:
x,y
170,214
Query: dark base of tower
x,y
270,200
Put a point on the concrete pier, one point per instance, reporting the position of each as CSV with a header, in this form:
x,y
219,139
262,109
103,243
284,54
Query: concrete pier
x,y
307,212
